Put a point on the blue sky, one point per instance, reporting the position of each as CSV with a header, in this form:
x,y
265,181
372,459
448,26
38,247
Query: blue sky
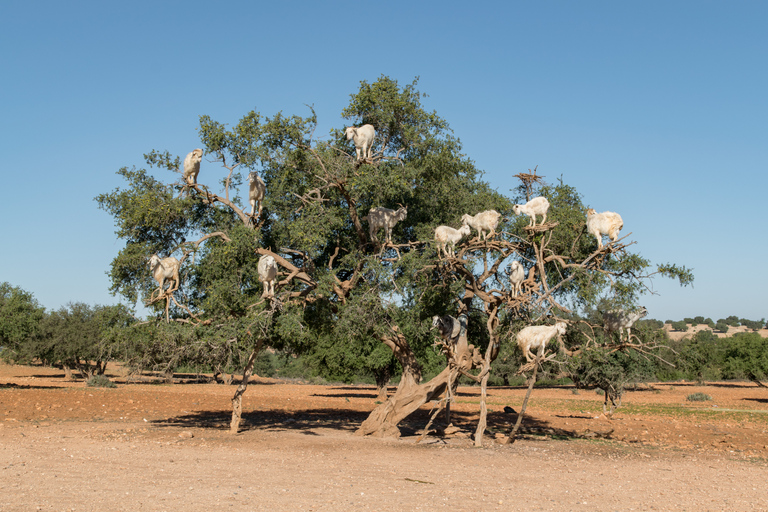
x,y
654,109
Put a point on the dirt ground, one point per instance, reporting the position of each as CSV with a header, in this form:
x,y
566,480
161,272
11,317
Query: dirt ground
x,y
161,447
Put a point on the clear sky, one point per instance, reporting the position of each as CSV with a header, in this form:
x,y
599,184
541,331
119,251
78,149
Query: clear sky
x,y
655,109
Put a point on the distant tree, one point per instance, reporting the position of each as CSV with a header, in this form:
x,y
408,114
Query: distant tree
x,y
747,357
721,326
649,324
701,358
710,323
20,322
690,321
752,324
698,320
668,322
77,336
610,371
680,325
732,321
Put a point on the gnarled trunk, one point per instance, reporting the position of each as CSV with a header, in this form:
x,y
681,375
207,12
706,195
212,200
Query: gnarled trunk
x,y
411,393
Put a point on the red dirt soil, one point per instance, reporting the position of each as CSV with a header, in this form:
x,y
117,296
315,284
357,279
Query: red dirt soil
x,y
154,447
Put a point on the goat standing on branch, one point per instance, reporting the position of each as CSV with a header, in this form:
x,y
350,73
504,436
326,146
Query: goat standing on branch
x,y
482,222
536,206
537,337
380,217
606,223
363,138
162,269
256,192
267,275
192,166
516,274
618,320
447,235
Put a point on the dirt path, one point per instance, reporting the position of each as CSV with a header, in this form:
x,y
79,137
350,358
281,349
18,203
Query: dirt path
x,y
166,447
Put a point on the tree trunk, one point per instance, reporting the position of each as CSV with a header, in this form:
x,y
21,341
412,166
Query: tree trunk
x,y
382,377
531,382
410,394
490,356
237,400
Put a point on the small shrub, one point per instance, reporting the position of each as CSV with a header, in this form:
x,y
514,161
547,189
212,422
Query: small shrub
x,y
100,381
575,391
698,397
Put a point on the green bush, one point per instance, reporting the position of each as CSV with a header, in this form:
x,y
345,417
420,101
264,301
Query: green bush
x,y
680,326
100,381
698,397
746,357
721,326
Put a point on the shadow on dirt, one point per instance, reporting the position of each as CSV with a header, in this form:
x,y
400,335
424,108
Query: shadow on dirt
x,y
758,400
11,385
341,419
463,424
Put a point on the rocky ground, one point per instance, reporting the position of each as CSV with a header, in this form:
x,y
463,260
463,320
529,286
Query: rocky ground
x,y
151,446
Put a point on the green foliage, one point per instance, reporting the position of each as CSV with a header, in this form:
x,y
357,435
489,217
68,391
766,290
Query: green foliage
x,y
746,357
700,358
340,294
20,319
753,324
610,370
100,381
698,397
680,325
721,326
698,320
649,323
78,336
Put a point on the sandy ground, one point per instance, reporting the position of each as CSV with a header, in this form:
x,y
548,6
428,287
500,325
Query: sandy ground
x,y
156,447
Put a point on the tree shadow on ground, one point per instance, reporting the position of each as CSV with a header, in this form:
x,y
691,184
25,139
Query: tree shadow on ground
x,y
746,385
758,400
11,385
274,420
348,420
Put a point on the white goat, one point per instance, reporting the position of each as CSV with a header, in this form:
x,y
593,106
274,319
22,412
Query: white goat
x,y
268,274
516,274
363,137
483,221
162,269
380,217
536,206
537,337
618,320
606,223
448,235
256,192
192,166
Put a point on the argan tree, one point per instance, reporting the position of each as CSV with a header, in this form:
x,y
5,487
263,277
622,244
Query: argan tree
x,y
338,286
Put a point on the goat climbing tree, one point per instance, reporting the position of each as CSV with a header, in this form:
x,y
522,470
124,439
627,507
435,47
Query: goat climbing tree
x,y
338,292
